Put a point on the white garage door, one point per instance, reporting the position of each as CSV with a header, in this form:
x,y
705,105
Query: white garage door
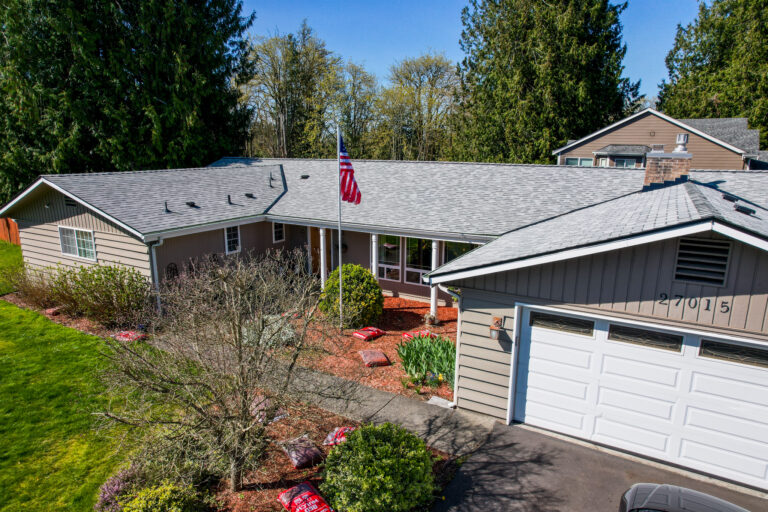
x,y
698,402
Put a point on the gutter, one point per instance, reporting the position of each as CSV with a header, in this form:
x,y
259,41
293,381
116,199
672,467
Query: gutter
x,y
153,265
458,345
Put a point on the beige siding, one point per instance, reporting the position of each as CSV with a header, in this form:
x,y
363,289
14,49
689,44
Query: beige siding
x,y
484,364
39,234
632,282
706,154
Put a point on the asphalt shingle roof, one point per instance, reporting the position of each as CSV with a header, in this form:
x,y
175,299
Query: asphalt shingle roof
x,y
623,149
733,130
623,217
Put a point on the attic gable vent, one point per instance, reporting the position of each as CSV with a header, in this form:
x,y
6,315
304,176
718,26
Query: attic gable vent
x,y
70,202
702,261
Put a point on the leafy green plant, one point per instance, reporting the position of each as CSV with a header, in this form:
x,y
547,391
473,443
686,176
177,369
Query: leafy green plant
x,y
428,360
379,469
166,497
363,300
31,283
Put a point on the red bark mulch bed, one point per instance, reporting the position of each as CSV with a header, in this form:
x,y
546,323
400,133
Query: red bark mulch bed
x,y
339,353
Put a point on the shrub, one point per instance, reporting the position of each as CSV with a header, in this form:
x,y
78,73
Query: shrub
x,y
31,283
379,469
166,497
363,300
426,359
117,487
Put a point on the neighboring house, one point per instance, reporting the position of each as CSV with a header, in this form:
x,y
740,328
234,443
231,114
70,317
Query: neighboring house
x,y
726,143
640,322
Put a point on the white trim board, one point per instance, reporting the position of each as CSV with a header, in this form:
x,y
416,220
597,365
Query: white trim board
x,y
660,116
568,254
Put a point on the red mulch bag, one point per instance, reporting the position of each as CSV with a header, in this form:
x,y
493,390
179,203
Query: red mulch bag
x,y
337,436
129,336
374,358
415,334
369,333
303,498
302,452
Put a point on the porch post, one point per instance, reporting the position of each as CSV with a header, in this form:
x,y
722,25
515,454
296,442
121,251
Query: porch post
x,y
375,255
433,289
323,263
309,249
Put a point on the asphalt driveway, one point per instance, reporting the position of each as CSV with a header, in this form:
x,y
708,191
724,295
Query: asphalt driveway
x,y
523,470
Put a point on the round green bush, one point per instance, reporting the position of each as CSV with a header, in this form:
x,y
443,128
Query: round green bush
x,y
167,497
363,300
379,469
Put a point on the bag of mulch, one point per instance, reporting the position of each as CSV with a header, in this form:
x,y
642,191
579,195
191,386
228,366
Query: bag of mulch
x,y
369,333
418,334
337,436
261,406
303,498
128,336
374,358
302,452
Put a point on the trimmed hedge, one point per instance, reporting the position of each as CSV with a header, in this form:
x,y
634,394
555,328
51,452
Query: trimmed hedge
x,y
167,497
379,469
363,300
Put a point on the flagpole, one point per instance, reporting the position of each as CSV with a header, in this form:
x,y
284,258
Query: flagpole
x,y
338,163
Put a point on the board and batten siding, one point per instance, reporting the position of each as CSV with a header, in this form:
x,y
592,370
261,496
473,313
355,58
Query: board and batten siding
x,y
39,235
484,364
648,130
638,282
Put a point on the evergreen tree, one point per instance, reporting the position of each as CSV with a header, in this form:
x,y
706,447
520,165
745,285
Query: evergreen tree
x,y
112,86
718,66
537,74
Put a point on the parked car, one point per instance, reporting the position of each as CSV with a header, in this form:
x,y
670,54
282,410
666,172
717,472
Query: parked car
x,y
671,498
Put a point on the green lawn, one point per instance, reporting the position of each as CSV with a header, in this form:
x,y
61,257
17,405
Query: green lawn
x,y
10,256
51,455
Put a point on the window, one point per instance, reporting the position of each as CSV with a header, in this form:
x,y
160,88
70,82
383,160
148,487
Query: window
x,y
735,353
603,162
562,323
571,161
453,250
389,257
652,339
232,239
625,162
77,242
278,232
582,162
702,260
418,259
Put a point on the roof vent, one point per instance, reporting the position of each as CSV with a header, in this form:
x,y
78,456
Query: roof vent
x,y
682,140
703,261
743,209
305,176
192,204
249,195
166,208
731,198
657,148
70,202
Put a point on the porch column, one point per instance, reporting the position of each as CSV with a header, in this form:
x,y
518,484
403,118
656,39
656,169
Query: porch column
x,y
375,255
309,249
323,263
433,289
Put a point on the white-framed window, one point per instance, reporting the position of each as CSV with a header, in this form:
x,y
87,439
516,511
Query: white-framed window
x,y
232,239
278,232
389,258
571,161
418,259
581,162
603,162
625,162
77,242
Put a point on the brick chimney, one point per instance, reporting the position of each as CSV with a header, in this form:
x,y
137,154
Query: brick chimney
x,y
666,168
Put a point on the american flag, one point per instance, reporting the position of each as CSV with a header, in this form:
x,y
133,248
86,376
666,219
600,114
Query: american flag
x,y
349,191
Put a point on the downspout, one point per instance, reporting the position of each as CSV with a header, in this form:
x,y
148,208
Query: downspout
x,y
155,273
458,345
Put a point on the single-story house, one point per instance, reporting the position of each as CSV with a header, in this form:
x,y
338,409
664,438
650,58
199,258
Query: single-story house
x,y
720,143
625,306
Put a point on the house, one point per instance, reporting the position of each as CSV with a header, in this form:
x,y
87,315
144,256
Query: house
x,y
640,322
725,143
624,306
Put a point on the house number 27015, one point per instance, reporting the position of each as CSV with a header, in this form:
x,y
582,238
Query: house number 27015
x,y
693,302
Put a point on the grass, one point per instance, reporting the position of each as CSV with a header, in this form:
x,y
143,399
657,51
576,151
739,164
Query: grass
x,y
51,455
10,256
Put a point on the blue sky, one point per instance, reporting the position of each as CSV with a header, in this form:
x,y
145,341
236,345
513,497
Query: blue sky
x,y
381,32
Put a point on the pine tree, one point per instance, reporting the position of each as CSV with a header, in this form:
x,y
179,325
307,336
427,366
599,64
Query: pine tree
x,y
536,74
718,66
112,86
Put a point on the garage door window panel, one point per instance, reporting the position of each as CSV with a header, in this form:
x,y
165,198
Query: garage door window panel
x,y
653,339
562,323
734,353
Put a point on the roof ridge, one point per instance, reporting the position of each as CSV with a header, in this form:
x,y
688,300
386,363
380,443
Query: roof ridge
x,y
699,200
141,171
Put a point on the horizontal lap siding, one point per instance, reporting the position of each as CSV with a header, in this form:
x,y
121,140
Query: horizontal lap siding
x,y
484,364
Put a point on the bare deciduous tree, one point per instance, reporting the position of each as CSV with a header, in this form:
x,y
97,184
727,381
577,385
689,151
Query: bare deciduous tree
x,y
221,356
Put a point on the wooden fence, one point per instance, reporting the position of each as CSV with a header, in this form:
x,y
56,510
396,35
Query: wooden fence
x,y
9,231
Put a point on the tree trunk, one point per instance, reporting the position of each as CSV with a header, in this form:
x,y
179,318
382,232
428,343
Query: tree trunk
x,y
235,478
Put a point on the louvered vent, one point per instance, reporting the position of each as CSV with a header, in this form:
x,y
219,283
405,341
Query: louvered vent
x,y
702,261
70,202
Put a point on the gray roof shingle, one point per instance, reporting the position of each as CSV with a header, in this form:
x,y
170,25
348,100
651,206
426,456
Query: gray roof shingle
x,y
733,130
623,149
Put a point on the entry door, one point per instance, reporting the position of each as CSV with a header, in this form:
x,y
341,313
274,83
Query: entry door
x,y
664,394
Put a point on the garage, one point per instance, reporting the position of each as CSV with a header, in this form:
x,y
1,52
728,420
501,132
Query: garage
x,y
695,401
